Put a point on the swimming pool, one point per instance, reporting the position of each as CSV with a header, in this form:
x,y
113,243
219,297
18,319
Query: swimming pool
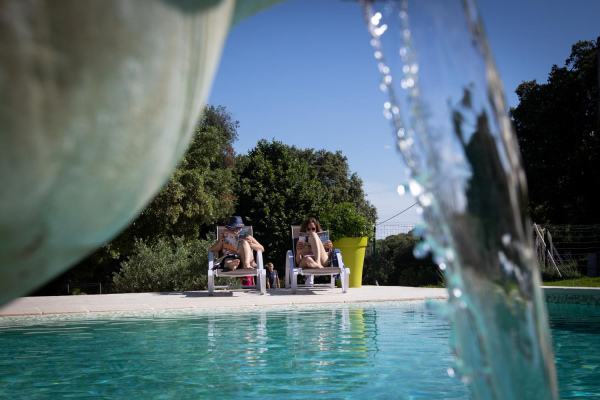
x,y
367,350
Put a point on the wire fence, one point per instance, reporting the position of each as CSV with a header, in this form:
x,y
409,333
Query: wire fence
x,y
572,242
384,230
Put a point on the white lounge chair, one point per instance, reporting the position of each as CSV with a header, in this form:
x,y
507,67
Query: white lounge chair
x,y
292,270
215,271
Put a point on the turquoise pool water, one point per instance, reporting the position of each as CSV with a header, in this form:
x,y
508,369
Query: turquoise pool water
x,y
576,344
375,351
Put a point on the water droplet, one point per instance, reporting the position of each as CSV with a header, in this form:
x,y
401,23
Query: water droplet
x,y
383,87
451,372
425,200
415,188
406,69
380,31
395,110
404,51
373,42
506,238
378,55
387,79
414,68
457,292
421,250
400,132
375,19
406,33
419,210
419,230
443,266
387,105
401,190
502,257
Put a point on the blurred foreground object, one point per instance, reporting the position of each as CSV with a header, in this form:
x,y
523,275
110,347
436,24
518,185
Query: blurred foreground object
x,y
99,100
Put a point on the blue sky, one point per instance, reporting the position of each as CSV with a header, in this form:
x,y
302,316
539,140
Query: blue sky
x,y
303,73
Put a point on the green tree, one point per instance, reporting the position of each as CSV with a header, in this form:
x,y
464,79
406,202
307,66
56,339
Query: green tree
x,y
200,192
557,128
334,173
396,264
164,266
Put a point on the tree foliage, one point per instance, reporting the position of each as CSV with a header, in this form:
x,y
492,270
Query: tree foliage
x,y
343,186
276,188
200,192
164,266
396,265
557,127
344,222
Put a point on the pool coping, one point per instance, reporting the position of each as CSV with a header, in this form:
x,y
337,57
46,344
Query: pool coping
x,y
125,302
572,295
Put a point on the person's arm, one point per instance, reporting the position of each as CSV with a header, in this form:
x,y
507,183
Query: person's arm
x,y
299,250
218,246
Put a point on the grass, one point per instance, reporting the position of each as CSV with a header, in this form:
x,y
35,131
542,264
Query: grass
x,y
584,281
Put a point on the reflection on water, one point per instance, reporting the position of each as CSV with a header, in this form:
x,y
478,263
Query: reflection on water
x,y
385,351
361,351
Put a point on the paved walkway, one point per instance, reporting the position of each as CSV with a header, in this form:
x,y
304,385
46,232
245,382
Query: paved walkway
x,y
201,299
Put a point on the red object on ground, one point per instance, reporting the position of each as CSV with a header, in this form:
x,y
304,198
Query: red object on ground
x,y
247,280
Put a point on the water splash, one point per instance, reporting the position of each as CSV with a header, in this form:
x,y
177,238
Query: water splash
x,y
453,132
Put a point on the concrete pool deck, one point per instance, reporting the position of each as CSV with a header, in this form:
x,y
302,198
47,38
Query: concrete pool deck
x,y
201,300
124,302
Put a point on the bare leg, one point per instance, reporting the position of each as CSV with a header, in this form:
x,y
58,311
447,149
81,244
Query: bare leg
x,y
245,252
231,264
321,256
308,262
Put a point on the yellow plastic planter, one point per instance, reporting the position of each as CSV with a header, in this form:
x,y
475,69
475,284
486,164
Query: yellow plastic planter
x,y
353,253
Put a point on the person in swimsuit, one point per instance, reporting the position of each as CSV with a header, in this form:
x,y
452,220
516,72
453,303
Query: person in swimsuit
x,y
244,257
316,255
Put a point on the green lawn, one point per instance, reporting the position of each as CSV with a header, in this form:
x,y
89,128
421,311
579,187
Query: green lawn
x,y
584,281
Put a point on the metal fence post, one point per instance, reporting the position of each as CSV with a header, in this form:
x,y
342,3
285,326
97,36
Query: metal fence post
x,y
374,249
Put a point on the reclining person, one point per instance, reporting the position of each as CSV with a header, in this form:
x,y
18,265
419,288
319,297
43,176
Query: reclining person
x,y
244,257
316,255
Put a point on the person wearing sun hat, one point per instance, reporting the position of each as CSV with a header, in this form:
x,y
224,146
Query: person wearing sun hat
x,y
244,257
